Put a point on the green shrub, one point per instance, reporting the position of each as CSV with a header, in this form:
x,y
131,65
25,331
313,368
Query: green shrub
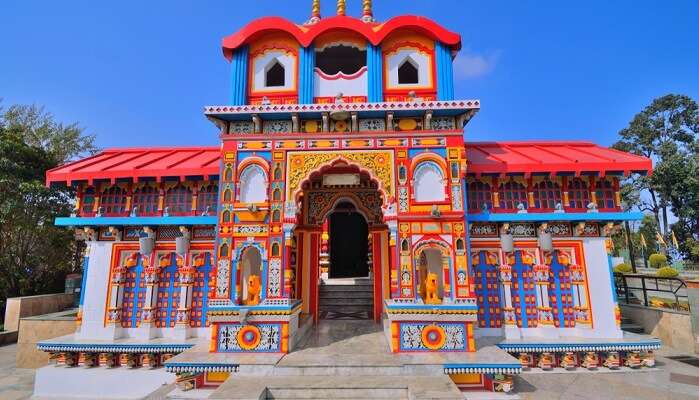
x,y
623,268
667,272
657,260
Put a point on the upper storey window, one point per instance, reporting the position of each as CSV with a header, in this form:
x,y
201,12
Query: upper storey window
x,y
408,73
428,182
253,185
275,75
347,60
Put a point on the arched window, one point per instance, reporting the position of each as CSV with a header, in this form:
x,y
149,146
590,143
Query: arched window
x,y
113,201
146,199
207,199
408,73
402,173
277,172
276,194
479,194
253,185
275,249
226,217
512,194
223,250
578,193
274,76
87,205
228,174
404,246
227,195
547,194
276,216
604,191
178,200
428,182
460,245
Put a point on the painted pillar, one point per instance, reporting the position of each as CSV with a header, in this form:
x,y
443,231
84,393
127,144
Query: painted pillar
x,y
447,273
505,275
239,76
379,241
151,274
541,276
307,63
186,277
375,70
445,72
393,263
577,277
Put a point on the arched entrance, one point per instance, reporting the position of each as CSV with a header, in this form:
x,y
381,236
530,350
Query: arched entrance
x,y
348,243
340,225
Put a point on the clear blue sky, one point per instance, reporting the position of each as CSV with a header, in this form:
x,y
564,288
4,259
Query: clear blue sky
x,y
139,72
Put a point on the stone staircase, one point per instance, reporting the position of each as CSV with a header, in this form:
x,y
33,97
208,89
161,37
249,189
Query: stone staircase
x,y
351,298
628,325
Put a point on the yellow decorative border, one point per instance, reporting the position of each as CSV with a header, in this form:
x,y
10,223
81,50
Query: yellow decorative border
x,y
378,163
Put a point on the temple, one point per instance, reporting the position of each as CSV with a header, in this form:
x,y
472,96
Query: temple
x,y
343,190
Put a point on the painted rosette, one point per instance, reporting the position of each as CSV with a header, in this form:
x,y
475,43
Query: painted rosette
x,y
249,337
433,337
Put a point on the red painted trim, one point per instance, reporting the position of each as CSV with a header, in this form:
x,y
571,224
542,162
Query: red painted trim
x,y
315,274
373,32
378,275
340,75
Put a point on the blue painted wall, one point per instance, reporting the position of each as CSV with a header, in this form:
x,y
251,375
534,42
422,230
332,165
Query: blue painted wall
x,y
239,76
307,62
445,72
375,69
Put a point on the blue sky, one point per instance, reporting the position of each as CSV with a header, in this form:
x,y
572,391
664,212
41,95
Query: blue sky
x,y
138,73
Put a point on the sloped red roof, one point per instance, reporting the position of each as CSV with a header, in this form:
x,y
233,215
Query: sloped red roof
x,y
373,32
551,157
134,163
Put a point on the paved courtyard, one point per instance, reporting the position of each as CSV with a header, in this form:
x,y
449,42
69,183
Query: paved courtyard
x,y
670,380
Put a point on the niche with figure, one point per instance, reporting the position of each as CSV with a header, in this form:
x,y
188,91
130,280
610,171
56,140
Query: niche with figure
x,y
251,262
431,276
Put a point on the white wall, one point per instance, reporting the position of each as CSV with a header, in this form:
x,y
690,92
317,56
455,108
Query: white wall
x,y
358,85
599,282
96,287
260,69
422,61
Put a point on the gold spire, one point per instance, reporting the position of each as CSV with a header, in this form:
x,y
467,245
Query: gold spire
x,y
367,13
341,7
315,11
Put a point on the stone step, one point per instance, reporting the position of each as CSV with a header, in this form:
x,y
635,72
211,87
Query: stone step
x,y
345,308
633,328
346,294
338,393
347,288
350,301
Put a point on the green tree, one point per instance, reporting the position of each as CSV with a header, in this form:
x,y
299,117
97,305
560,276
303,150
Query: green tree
x,y
667,131
667,126
35,255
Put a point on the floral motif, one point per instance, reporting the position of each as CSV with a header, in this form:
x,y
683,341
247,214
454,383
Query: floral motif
x,y
484,230
403,199
281,126
222,277
236,338
527,230
374,124
274,277
443,123
240,127
456,199
427,337
378,163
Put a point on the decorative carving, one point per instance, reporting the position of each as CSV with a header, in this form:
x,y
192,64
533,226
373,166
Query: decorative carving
x,y
222,273
280,126
523,230
432,337
443,123
238,127
373,124
274,289
378,163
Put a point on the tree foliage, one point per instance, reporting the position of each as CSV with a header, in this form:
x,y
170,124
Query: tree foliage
x,y
35,255
667,131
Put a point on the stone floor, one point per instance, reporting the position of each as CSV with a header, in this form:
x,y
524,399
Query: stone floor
x,y
669,380
15,384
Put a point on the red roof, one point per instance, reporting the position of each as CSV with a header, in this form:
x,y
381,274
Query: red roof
x,y
134,163
551,157
373,32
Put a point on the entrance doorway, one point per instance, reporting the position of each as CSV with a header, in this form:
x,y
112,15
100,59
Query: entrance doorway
x,y
349,243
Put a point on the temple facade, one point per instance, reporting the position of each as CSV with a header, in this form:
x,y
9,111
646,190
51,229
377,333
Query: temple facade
x,y
343,188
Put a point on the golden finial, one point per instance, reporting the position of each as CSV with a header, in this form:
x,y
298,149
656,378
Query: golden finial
x,y
315,12
367,13
341,7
